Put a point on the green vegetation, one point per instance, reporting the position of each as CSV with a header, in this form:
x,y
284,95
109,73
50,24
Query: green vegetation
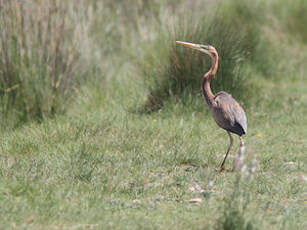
x,y
39,62
175,72
77,153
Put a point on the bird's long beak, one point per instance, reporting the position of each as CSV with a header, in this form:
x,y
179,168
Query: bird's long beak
x,y
202,48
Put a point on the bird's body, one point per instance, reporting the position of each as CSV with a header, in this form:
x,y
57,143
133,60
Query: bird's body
x,y
228,114
226,111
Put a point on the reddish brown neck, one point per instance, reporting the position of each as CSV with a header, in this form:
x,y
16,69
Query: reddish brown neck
x,y
209,96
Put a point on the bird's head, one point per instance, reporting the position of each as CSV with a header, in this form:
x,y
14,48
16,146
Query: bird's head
x,y
207,49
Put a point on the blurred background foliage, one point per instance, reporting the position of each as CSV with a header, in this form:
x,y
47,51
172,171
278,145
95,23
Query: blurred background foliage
x,y
51,51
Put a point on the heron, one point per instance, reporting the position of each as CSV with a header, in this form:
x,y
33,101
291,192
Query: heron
x,y
227,112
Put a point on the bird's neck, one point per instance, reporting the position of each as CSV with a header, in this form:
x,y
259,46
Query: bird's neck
x,y
209,96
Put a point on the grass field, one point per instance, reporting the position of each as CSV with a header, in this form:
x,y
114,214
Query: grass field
x,y
107,139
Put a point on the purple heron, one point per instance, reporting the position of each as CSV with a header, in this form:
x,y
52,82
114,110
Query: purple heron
x,y
226,111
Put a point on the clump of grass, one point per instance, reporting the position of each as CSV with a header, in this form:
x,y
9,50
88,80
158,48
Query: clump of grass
x,y
83,164
40,63
233,217
172,71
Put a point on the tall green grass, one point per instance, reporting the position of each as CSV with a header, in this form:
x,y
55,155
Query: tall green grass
x,y
47,51
51,49
234,29
40,63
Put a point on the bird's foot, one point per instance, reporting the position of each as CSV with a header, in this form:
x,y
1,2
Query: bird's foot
x,y
221,169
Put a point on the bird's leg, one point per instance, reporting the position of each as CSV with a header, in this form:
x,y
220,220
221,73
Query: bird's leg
x,y
228,150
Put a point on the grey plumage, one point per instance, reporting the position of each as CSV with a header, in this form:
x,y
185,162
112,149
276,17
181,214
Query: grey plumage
x,y
228,114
